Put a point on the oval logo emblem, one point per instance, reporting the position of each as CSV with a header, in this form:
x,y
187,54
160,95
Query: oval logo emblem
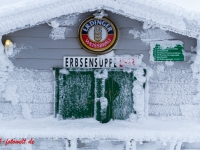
x,y
98,35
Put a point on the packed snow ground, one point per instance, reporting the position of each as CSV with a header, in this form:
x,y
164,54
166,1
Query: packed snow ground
x,y
149,130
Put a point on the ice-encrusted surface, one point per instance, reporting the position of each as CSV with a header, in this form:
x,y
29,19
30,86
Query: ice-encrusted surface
x,y
149,35
31,94
76,94
123,104
170,92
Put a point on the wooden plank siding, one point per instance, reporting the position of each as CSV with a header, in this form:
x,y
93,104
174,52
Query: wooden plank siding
x,y
46,53
43,31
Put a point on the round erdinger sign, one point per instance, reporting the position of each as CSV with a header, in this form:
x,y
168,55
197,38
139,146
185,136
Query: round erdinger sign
x,y
98,35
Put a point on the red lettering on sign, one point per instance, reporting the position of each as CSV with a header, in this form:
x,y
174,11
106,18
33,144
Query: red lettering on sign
x,y
98,45
126,62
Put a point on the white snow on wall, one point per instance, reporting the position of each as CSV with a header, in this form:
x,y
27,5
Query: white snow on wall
x,y
32,93
138,93
58,33
193,110
171,92
10,94
26,112
68,20
169,63
149,35
18,47
190,111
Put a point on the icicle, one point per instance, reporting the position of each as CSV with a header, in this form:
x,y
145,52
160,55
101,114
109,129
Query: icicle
x,y
178,146
71,144
26,111
133,145
67,144
128,145
172,145
138,93
146,92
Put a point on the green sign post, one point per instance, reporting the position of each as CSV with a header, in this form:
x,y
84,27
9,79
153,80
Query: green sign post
x,y
169,53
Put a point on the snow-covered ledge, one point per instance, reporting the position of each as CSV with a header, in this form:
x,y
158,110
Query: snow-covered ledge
x,y
150,130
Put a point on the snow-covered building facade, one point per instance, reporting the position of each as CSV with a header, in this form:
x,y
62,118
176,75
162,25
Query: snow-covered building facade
x,y
151,104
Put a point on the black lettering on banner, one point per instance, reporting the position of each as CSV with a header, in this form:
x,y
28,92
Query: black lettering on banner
x,y
66,62
115,63
85,62
71,62
100,64
95,60
90,62
110,62
76,62
81,60
106,61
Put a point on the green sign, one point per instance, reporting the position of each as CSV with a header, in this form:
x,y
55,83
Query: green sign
x,y
168,53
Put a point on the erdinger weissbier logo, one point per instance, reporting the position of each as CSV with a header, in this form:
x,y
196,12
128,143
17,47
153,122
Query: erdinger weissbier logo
x,y
98,35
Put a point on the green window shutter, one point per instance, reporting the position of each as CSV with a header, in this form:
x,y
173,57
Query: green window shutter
x,y
123,102
80,95
98,94
118,92
56,74
75,94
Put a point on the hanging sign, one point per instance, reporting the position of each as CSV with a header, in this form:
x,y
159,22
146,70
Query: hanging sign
x,y
167,51
98,35
102,62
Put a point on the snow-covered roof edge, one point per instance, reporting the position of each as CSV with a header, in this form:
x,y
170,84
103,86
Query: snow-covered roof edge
x,y
160,13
